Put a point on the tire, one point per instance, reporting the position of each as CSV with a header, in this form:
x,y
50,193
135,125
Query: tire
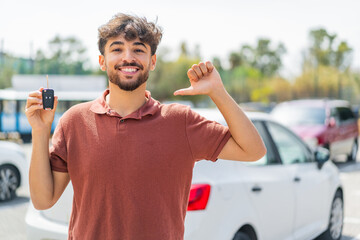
x,y
241,236
336,221
353,153
9,182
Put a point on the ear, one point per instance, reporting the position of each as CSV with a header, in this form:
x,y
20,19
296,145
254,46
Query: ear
x,y
102,63
153,62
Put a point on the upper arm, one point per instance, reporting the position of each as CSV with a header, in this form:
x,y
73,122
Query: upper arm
x,y
60,180
232,151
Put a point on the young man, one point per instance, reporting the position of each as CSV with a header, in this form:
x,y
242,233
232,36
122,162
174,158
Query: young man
x,y
130,158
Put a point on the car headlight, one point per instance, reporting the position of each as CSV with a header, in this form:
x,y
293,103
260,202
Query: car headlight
x,y
312,142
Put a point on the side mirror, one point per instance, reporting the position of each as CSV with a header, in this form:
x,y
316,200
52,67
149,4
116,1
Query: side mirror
x,y
331,122
322,155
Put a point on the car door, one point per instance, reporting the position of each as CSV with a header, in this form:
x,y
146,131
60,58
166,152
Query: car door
x,y
347,131
309,182
271,192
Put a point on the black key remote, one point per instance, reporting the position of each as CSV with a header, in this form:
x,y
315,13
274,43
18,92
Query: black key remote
x,y
48,98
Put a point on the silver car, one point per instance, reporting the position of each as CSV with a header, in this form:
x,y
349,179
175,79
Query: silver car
x,y
291,193
13,169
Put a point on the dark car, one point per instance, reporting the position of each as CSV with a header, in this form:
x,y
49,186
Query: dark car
x,y
322,122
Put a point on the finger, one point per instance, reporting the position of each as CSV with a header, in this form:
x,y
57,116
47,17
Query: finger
x,y
209,66
33,108
35,93
33,100
185,91
192,75
203,68
197,70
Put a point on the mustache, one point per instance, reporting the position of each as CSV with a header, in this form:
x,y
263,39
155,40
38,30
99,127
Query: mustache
x,y
132,64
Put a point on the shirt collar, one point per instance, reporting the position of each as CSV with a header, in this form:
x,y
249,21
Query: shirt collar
x,y
99,106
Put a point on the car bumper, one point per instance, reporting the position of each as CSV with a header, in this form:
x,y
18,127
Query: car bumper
x,y
40,228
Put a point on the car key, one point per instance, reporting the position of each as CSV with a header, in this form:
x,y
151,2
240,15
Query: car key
x,y
48,96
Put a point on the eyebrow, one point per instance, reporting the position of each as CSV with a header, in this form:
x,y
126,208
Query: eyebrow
x,y
139,43
121,43
116,43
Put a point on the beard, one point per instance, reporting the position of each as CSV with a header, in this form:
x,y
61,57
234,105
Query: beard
x,y
129,84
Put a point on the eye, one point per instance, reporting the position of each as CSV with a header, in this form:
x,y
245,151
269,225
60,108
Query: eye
x,y
116,50
139,50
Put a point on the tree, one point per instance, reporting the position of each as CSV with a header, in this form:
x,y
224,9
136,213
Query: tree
x,y
235,60
263,56
66,56
217,64
7,70
322,52
172,75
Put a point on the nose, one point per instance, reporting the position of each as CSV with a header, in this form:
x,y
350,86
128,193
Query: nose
x,y
128,56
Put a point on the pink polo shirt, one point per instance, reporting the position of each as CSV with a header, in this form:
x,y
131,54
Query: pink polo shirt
x,y
132,175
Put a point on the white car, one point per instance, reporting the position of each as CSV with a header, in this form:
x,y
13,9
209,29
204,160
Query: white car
x,y
13,170
291,193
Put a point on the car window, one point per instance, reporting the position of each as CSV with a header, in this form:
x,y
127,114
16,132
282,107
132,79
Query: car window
x,y
345,114
269,157
290,147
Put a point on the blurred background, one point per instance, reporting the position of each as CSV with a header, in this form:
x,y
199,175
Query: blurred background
x,y
266,52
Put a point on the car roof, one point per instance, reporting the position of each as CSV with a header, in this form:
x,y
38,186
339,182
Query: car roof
x,y
215,115
317,103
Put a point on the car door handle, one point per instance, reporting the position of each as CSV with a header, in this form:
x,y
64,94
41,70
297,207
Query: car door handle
x,y
256,189
297,179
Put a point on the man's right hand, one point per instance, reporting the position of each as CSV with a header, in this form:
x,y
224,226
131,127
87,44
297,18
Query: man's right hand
x,y
39,118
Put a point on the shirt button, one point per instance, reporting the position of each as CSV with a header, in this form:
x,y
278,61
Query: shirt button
x,y
122,120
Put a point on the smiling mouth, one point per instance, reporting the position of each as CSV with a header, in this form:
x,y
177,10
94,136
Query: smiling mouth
x,y
128,70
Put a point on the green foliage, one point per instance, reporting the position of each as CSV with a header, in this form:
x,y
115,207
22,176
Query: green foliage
x,y
262,57
333,82
6,70
6,74
170,76
323,52
252,75
66,56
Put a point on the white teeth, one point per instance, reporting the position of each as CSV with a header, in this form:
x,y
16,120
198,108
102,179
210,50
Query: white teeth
x,y
129,69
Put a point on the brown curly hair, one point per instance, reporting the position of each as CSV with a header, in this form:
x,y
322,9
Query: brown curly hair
x,y
132,27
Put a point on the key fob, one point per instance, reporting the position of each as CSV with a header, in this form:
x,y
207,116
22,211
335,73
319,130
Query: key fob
x,y
48,98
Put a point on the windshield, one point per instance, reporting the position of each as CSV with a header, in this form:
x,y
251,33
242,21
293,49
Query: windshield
x,y
297,115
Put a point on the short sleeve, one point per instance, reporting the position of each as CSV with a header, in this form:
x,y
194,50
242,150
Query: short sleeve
x,y
58,151
206,138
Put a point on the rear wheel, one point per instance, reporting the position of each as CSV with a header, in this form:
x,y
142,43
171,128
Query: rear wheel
x,y
241,236
353,153
336,220
9,182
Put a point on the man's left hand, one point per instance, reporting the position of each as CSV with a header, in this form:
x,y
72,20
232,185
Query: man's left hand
x,y
204,80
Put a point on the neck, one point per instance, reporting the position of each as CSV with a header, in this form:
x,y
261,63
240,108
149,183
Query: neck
x,y
125,102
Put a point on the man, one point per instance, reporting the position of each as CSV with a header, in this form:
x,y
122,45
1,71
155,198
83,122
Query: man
x,y
130,158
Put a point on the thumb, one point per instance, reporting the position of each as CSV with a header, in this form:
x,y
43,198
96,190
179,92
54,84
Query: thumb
x,y
185,91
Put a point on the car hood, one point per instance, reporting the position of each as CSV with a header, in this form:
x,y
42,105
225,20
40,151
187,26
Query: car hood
x,y
309,130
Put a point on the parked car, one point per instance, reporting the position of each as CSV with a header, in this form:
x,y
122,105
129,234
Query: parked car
x,y
291,193
13,169
322,122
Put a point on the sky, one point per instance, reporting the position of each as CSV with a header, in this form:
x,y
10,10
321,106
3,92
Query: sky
x,y
218,27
